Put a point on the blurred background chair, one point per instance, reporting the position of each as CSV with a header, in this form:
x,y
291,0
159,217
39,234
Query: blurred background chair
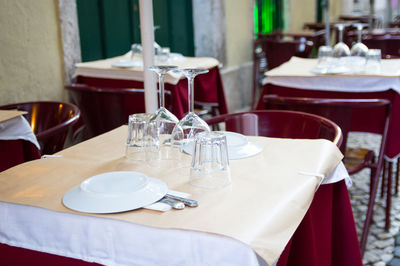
x,y
340,111
104,109
389,45
270,53
50,121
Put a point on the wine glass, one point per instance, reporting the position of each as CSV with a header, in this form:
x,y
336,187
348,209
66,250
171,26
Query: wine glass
x,y
359,49
161,125
191,124
340,49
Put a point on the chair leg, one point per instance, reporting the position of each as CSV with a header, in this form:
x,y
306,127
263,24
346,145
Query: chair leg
x,y
370,211
383,180
396,189
388,196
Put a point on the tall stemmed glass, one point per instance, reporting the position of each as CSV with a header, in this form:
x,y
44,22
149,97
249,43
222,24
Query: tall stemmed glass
x,y
340,49
359,49
191,124
161,125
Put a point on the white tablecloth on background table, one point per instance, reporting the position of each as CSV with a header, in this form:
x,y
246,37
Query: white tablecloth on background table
x,y
296,73
14,126
104,68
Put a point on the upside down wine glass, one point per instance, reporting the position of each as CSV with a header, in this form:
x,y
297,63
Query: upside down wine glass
x,y
191,124
161,125
340,49
359,49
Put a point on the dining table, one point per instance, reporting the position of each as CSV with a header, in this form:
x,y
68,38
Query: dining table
x,y
126,71
18,143
292,208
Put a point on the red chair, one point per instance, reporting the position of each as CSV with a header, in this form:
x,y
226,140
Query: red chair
x,y
104,109
340,111
270,53
50,121
389,45
280,124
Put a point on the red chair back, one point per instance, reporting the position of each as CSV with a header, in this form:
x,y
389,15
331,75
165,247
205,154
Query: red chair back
x,y
337,110
280,124
389,45
50,121
280,51
104,109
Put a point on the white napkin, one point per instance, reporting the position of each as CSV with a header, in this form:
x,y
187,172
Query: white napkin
x,y
163,207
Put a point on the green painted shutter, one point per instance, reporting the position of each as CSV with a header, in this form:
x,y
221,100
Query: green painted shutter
x,y
109,27
268,15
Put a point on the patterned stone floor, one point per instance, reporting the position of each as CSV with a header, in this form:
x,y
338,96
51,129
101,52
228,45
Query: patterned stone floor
x,y
380,250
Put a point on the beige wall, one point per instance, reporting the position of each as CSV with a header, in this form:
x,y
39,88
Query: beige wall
x,y
31,60
299,12
239,31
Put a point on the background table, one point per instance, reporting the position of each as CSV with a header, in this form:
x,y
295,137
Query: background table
x,y
208,87
257,212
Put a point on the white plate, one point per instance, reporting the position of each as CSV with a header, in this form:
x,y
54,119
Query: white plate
x,y
239,146
127,64
115,192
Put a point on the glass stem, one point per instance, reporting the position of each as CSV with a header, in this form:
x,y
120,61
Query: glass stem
x,y
359,35
161,85
191,94
341,35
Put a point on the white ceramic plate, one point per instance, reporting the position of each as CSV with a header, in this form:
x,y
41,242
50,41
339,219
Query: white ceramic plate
x,y
115,192
127,64
239,146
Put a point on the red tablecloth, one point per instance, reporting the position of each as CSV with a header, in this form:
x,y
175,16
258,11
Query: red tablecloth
x,y
362,120
208,89
326,236
13,152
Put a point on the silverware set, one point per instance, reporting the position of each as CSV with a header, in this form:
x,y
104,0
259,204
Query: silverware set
x,y
178,203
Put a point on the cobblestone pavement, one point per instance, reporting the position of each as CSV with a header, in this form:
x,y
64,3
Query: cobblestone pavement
x,y
380,250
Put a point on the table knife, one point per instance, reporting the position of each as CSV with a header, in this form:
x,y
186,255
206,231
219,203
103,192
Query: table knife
x,y
187,202
173,203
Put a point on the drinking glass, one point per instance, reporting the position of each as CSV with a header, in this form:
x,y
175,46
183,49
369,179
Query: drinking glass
x,y
359,49
161,125
373,61
325,59
191,124
136,48
137,140
210,163
340,49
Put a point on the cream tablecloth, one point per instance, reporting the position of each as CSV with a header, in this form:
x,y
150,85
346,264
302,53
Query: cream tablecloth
x,y
296,73
260,210
104,68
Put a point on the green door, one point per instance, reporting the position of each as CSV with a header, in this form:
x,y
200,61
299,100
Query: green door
x,y
109,27
268,15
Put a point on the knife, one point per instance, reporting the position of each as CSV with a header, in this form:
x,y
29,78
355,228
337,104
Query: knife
x,y
187,202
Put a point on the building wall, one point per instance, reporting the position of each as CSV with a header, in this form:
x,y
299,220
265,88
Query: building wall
x,y
31,61
237,72
300,12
